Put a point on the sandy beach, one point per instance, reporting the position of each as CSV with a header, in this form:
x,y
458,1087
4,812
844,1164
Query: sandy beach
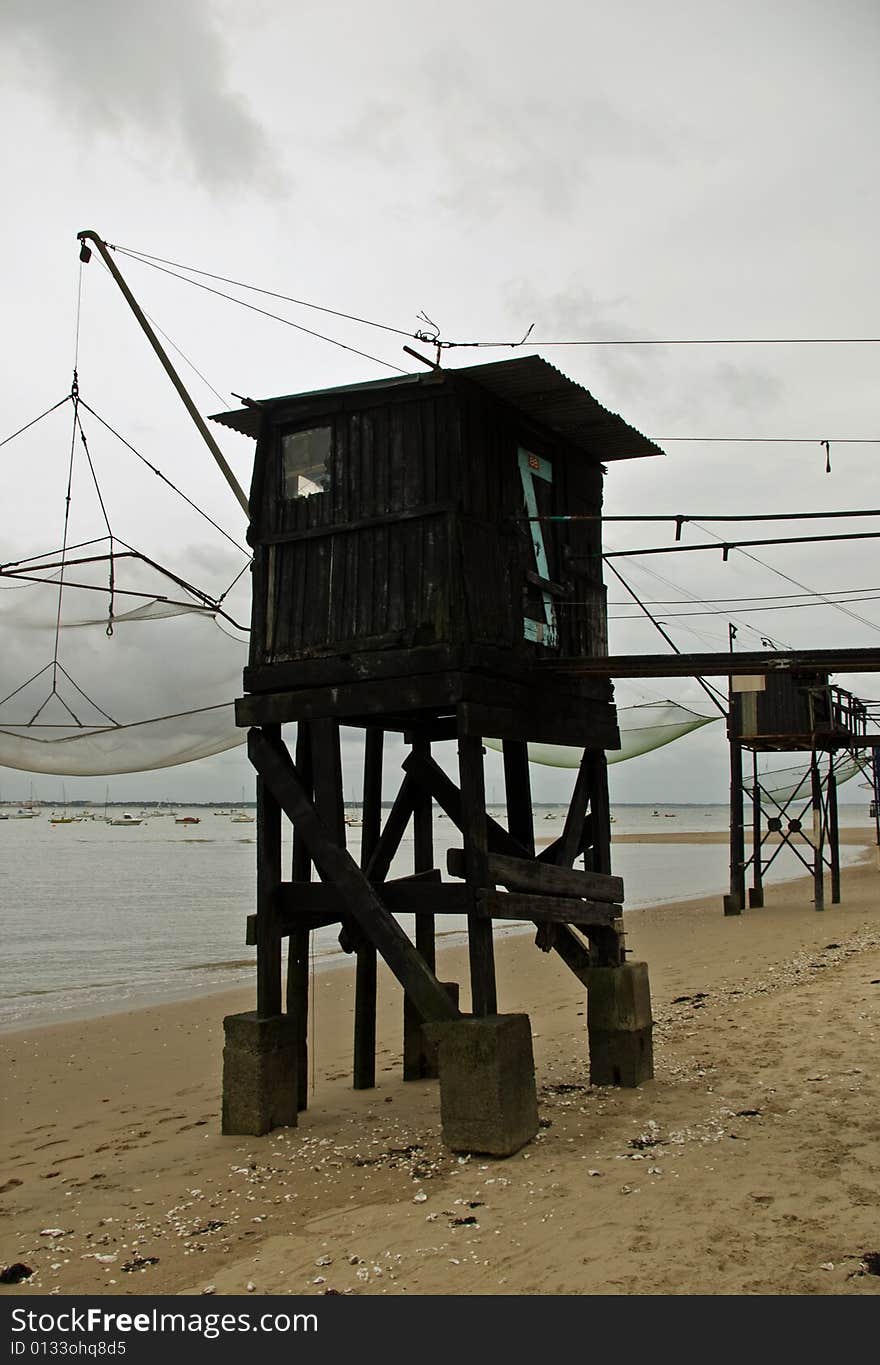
x,y
750,1165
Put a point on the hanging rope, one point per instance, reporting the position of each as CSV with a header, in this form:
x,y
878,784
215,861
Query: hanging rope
x,y
143,459
74,394
35,420
85,445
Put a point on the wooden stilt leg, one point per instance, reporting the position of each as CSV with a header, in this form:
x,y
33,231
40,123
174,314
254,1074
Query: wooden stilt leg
x,y
600,810
520,816
268,880
606,944
417,1064
364,1070
300,939
756,898
475,831
327,777
833,832
329,799
518,792
818,834
735,900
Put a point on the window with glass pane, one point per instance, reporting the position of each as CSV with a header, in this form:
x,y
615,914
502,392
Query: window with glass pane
x,y
305,461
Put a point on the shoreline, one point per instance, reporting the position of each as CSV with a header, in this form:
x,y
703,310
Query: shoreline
x,y
170,994
730,1173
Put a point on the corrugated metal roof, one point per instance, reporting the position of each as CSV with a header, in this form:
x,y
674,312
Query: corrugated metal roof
x,y
529,383
548,396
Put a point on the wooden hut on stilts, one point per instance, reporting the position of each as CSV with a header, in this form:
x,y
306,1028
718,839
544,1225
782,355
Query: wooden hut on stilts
x,y
424,548
787,711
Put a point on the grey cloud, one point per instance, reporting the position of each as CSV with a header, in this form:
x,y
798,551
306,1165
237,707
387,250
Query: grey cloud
x,y
493,149
156,77
577,313
684,387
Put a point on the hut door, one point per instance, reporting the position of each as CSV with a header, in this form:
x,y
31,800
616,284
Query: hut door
x,y
539,620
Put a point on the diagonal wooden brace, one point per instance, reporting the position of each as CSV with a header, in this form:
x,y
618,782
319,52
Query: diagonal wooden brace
x,y
275,766
388,841
428,774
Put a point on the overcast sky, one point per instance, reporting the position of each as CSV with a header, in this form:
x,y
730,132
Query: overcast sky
x,y
691,170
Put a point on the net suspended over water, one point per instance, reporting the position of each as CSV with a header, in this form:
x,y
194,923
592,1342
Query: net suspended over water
x,y
156,692
103,679
643,728
783,785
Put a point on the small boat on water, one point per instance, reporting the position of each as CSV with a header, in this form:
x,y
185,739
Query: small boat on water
x,y
186,819
242,819
125,819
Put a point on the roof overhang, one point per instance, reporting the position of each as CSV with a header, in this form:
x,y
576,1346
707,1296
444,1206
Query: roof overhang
x,y
528,383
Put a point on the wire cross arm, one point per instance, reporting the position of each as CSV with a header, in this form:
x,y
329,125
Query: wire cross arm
x,y
724,546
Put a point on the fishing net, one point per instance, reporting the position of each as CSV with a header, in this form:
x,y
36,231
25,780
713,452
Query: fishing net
x,y
99,679
643,728
138,747
792,783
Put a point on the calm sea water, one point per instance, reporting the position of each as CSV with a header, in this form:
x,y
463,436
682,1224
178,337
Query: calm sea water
x,y
97,918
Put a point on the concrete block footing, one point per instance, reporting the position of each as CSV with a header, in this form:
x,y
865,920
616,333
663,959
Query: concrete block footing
x,y
259,1074
488,1100
620,1025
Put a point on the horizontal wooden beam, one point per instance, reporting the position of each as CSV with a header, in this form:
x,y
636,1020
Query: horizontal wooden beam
x,y
338,528
442,899
355,699
586,724
373,660
527,874
717,664
423,897
310,920
549,909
